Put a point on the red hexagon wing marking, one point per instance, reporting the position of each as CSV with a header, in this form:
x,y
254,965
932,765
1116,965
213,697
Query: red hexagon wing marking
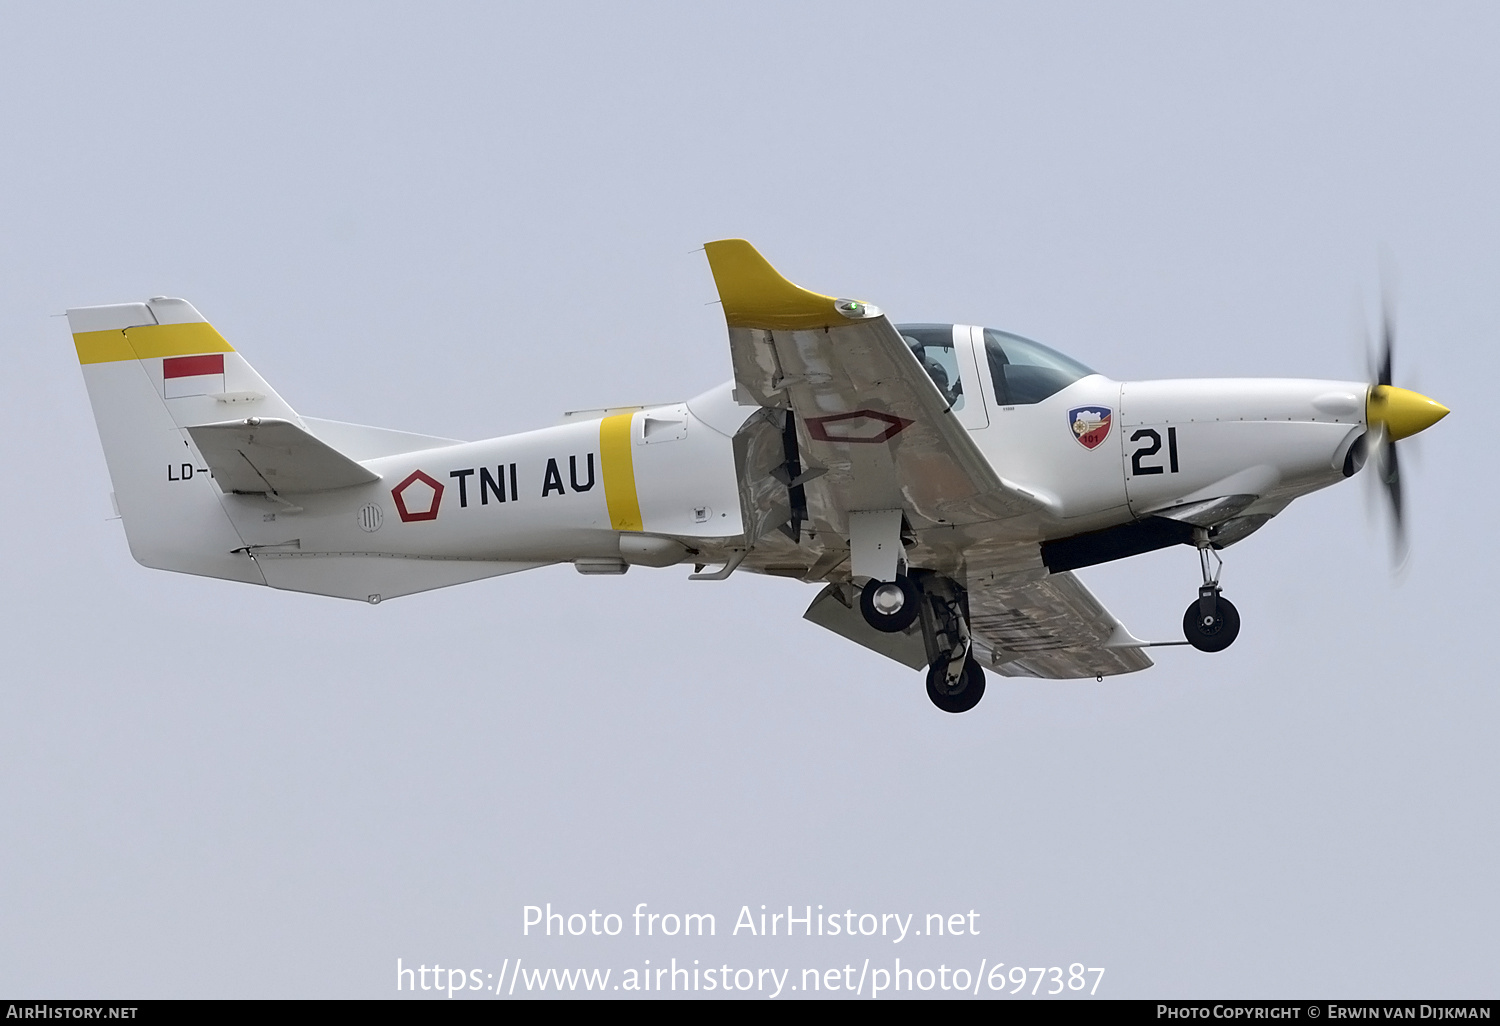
x,y
859,426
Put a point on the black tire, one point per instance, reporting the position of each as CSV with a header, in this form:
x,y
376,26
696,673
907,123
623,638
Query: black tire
x,y
958,699
1213,636
902,618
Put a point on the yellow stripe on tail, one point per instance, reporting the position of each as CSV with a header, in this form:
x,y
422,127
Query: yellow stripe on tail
x,y
148,341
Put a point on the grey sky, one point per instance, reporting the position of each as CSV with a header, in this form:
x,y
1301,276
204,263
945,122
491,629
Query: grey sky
x,y
465,219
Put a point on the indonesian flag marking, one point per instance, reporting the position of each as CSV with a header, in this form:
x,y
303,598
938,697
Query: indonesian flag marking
x,y
193,375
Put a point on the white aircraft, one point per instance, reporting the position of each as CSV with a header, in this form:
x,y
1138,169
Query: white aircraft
x,y
941,481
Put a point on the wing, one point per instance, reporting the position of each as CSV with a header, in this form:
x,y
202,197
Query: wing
x,y
872,430
837,609
1052,627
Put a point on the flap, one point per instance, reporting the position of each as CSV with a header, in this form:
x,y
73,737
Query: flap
x,y
1053,627
265,455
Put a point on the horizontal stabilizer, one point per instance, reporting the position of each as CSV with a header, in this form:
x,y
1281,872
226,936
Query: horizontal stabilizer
x,y
361,442
258,455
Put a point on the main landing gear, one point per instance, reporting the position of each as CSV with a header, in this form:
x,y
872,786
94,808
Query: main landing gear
x,y
890,606
1212,623
955,681
955,691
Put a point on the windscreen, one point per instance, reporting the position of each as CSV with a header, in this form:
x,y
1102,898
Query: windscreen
x,y
1027,372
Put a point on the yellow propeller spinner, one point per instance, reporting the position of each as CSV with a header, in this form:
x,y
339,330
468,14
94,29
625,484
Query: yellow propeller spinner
x,y
1400,411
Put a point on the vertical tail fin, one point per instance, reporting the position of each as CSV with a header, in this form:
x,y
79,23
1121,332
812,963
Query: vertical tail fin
x,y
152,369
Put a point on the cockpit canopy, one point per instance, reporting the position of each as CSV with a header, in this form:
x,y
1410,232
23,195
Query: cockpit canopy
x,y
1023,371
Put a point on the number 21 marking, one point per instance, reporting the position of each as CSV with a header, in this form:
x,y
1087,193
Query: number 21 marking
x,y
1140,469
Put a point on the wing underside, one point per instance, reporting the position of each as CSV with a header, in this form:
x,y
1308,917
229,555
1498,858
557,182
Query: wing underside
x,y
1053,627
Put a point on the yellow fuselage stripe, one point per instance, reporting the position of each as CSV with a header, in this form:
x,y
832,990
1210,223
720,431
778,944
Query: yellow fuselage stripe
x,y
148,341
619,473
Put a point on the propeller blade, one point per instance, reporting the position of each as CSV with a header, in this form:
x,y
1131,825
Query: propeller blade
x,y
1389,469
1393,413
1380,350
1384,373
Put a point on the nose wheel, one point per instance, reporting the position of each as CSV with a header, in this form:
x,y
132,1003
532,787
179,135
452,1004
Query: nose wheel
x,y
1212,623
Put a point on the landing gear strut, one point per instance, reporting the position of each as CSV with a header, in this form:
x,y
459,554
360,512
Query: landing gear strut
x,y
1212,623
955,682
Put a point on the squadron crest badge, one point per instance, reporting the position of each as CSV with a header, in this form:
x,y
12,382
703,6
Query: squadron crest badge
x,y
1090,425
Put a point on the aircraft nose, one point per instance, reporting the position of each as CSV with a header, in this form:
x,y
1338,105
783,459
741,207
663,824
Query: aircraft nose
x,y
1402,411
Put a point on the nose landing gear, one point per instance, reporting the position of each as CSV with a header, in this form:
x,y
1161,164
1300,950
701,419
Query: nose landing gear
x,y
1212,623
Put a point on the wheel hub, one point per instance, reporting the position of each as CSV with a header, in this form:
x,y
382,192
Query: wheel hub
x,y
888,599
950,686
1211,631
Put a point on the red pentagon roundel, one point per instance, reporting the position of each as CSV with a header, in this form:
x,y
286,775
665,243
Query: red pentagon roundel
x,y
425,491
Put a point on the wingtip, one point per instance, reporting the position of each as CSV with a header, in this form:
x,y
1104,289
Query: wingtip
x,y
756,295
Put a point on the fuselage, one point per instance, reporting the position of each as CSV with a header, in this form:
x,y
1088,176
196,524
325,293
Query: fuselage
x,y
662,485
